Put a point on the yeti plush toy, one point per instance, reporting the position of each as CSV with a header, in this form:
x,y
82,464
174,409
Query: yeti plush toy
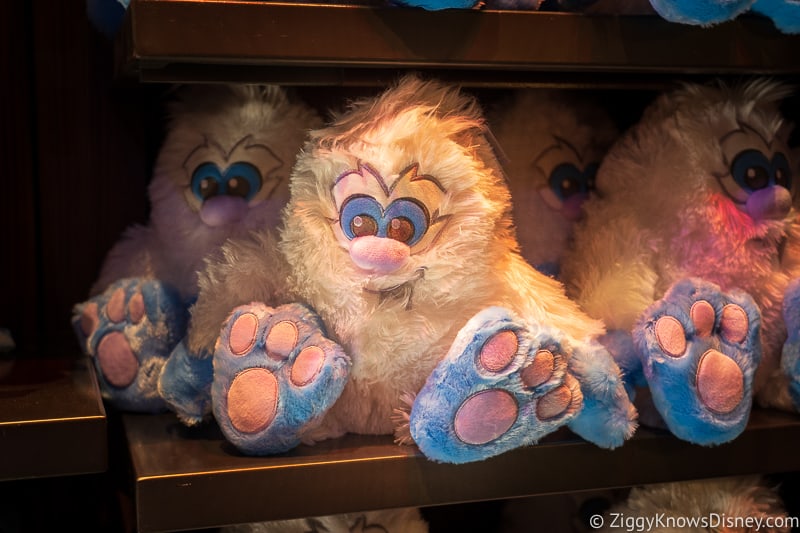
x,y
689,251
397,302
222,171
552,142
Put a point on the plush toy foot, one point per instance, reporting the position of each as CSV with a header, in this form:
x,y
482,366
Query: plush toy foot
x,y
790,358
699,350
185,383
502,385
785,14
608,417
129,330
700,12
275,374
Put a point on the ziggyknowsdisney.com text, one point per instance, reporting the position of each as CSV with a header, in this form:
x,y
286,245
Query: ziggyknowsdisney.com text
x,y
658,521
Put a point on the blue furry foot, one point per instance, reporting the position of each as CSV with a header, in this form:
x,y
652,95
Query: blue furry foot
x,y
185,383
129,330
608,417
785,14
275,374
502,385
699,350
700,12
790,358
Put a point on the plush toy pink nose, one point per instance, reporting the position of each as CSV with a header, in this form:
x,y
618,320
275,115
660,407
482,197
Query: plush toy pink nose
x,y
221,210
572,209
769,203
378,254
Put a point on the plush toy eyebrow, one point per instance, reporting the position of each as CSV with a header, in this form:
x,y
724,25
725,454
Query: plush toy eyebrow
x,y
410,170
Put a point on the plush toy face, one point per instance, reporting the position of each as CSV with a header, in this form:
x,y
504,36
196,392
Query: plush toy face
x,y
224,182
568,178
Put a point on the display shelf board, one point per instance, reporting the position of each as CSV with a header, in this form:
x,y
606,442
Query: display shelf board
x,y
52,418
317,44
189,478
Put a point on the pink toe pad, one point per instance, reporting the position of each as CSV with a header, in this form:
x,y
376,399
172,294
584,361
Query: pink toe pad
x,y
671,336
116,306
253,400
734,323
498,352
243,334
540,369
136,308
554,403
281,340
485,416
89,319
703,317
720,382
307,365
117,361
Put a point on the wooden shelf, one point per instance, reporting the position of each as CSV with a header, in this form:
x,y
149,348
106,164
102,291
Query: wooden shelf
x,y
192,478
52,419
314,44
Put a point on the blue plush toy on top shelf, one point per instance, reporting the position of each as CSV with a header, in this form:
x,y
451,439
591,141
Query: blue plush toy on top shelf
x,y
785,14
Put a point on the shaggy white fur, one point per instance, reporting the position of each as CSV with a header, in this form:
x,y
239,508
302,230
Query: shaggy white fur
x,y
668,210
218,124
396,327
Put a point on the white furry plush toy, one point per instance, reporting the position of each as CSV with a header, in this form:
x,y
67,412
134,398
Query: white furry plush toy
x,y
553,142
690,253
727,504
400,283
222,171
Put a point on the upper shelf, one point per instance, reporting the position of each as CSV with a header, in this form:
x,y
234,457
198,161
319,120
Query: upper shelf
x,y
315,44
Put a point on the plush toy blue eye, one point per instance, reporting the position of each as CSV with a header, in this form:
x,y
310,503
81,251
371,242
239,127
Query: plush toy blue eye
x,y
408,220
242,180
751,170
782,171
568,180
359,216
207,181
405,220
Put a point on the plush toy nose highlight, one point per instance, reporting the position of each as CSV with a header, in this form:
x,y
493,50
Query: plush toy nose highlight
x,y
769,203
378,254
221,210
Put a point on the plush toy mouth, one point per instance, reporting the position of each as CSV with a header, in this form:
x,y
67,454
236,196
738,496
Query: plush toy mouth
x,y
403,291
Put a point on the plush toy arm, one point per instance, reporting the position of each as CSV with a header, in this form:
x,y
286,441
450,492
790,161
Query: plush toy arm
x,y
244,271
130,257
608,275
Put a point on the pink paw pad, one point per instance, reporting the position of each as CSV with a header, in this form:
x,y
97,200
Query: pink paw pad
x,y
136,308
540,370
734,323
498,351
253,400
117,361
89,319
115,309
243,334
671,336
485,416
307,365
554,403
281,340
720,382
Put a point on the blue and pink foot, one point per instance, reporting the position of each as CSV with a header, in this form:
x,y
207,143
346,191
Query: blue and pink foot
x,y
790,357
130,330
503,385
275,374
699,349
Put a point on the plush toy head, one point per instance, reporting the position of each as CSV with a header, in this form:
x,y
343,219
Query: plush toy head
x,y
222,171
553,142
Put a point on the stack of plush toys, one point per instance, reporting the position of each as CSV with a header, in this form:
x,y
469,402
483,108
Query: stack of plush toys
x,y
299,281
